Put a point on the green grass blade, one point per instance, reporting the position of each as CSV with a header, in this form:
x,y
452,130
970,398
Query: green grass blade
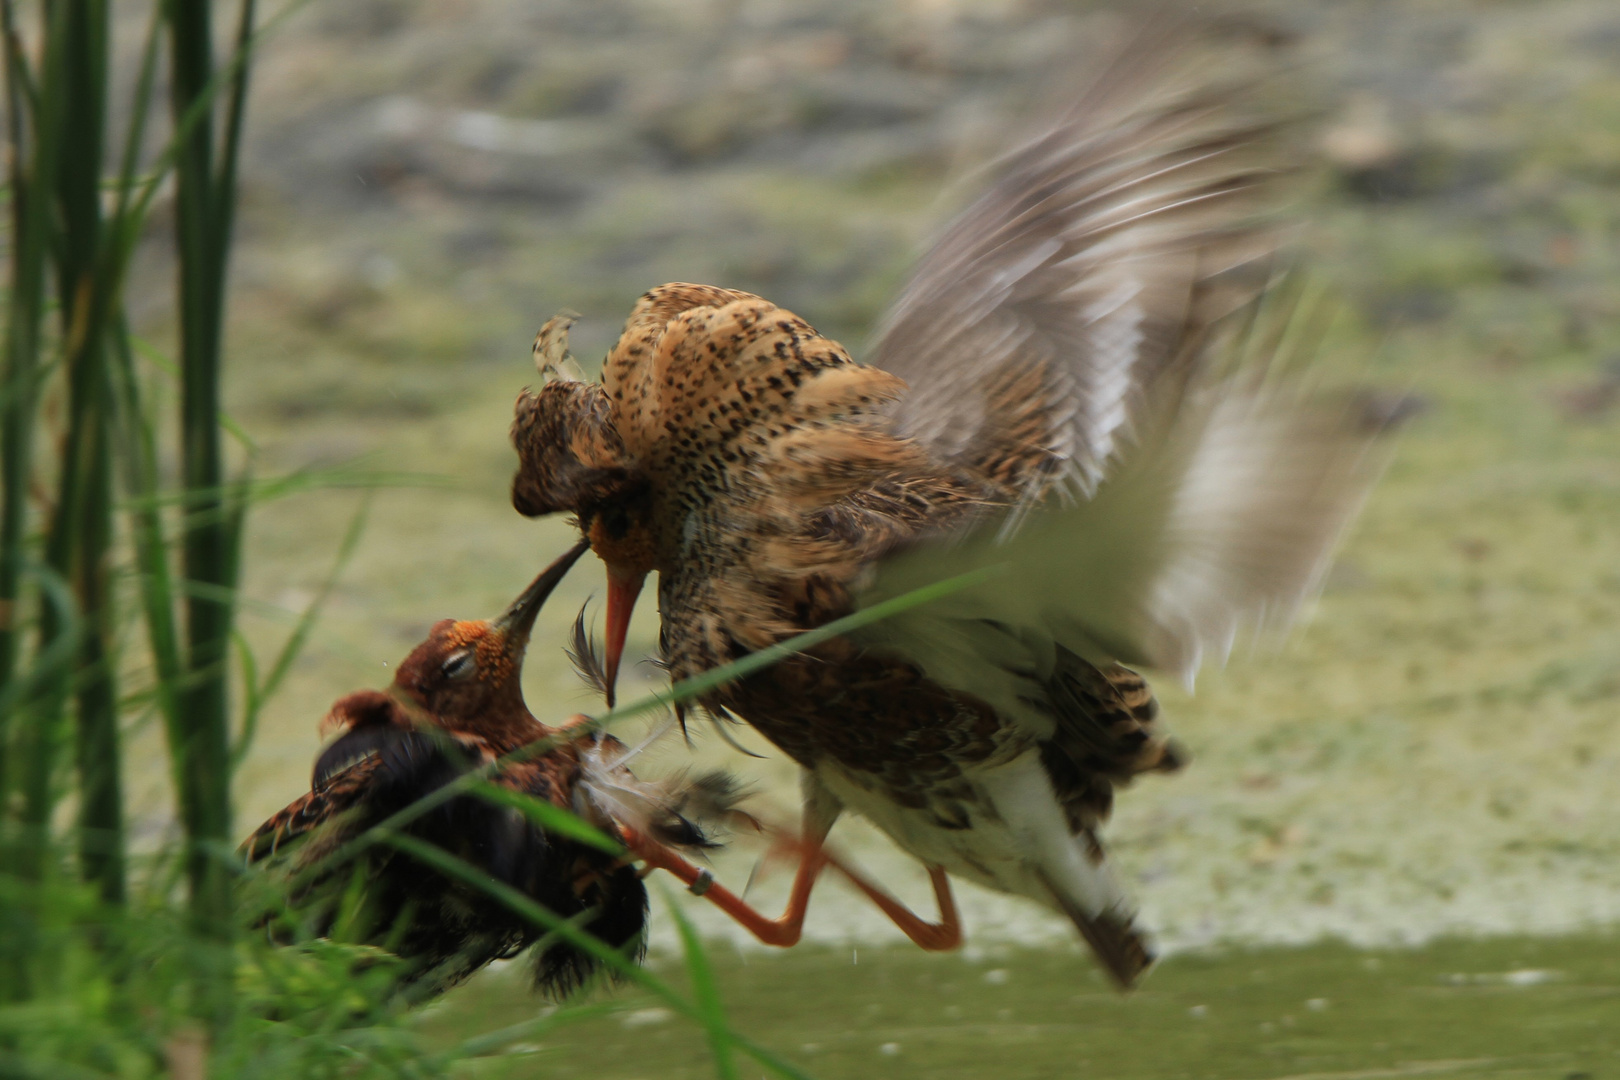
x,y
32,161
322,478
42,736
138,454
80,540
199,113
464,783
135,134
698,685
166,364
211,528
45,666
539,915
22,90
705,993
251,702
551,818
258,693
235,110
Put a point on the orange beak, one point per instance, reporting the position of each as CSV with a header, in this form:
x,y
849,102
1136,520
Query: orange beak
x,y
623,588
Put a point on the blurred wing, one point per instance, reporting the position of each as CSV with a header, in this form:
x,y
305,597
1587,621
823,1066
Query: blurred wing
x,y
1097,260
1222,512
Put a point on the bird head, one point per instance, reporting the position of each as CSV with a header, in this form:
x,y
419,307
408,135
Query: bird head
x,y
468,674
710,397
572,459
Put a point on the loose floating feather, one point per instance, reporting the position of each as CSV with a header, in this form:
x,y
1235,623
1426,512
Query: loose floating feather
x,y
586,657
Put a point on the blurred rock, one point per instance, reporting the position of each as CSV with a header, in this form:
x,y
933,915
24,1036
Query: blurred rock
x,y
1591,400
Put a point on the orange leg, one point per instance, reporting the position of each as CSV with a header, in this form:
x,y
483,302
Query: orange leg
x,y
942,936
786,930
782,932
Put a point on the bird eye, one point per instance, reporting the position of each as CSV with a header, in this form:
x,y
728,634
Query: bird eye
x,y
459,666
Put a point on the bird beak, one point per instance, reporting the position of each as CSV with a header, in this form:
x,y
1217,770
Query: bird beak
x,y
623,588
518,619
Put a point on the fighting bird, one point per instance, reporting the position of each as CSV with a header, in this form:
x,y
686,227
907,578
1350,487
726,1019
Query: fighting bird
x,y
456,704
1053,413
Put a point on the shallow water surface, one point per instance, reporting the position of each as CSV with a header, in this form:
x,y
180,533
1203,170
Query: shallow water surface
x,y
1496,1007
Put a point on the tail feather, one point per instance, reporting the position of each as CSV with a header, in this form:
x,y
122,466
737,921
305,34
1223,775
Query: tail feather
x,y
1055,864
1122,949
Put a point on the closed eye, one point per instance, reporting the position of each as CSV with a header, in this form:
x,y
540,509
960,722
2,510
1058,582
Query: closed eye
x,y
459,666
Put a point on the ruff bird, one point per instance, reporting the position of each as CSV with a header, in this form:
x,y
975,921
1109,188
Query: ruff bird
x,y
455,705
1050,409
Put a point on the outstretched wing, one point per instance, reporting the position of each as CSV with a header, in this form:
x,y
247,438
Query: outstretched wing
x,y
1221,512
1104,248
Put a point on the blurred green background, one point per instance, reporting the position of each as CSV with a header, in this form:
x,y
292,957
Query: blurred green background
x,y
1433,755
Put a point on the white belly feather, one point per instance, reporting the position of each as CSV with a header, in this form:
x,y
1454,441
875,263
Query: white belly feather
x,y
1019,841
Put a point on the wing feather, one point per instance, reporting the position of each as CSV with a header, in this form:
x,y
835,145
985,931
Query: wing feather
x,y
1106,245
1221,512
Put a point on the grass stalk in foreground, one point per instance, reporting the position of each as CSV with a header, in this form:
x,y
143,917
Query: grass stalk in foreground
x,y
71,246
33,161
705,1013
476,781
68,252
706,994
80,544
204,194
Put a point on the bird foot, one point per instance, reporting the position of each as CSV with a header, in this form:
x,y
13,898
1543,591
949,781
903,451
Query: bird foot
x,y
786,930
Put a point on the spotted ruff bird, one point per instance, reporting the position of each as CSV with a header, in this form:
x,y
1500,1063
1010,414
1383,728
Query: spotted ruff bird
x,y
1047,403
456,704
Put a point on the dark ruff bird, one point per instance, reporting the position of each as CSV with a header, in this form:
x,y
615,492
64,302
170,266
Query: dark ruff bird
x,y
1046,396
456,704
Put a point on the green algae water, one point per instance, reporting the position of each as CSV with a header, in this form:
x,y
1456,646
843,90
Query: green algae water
x,y
1492,1007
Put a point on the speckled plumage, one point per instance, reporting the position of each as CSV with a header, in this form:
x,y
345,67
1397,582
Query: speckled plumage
x,y
1059,417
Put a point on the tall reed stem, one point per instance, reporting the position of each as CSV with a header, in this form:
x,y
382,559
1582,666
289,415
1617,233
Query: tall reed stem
x,y
31,178
204,201
84,513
